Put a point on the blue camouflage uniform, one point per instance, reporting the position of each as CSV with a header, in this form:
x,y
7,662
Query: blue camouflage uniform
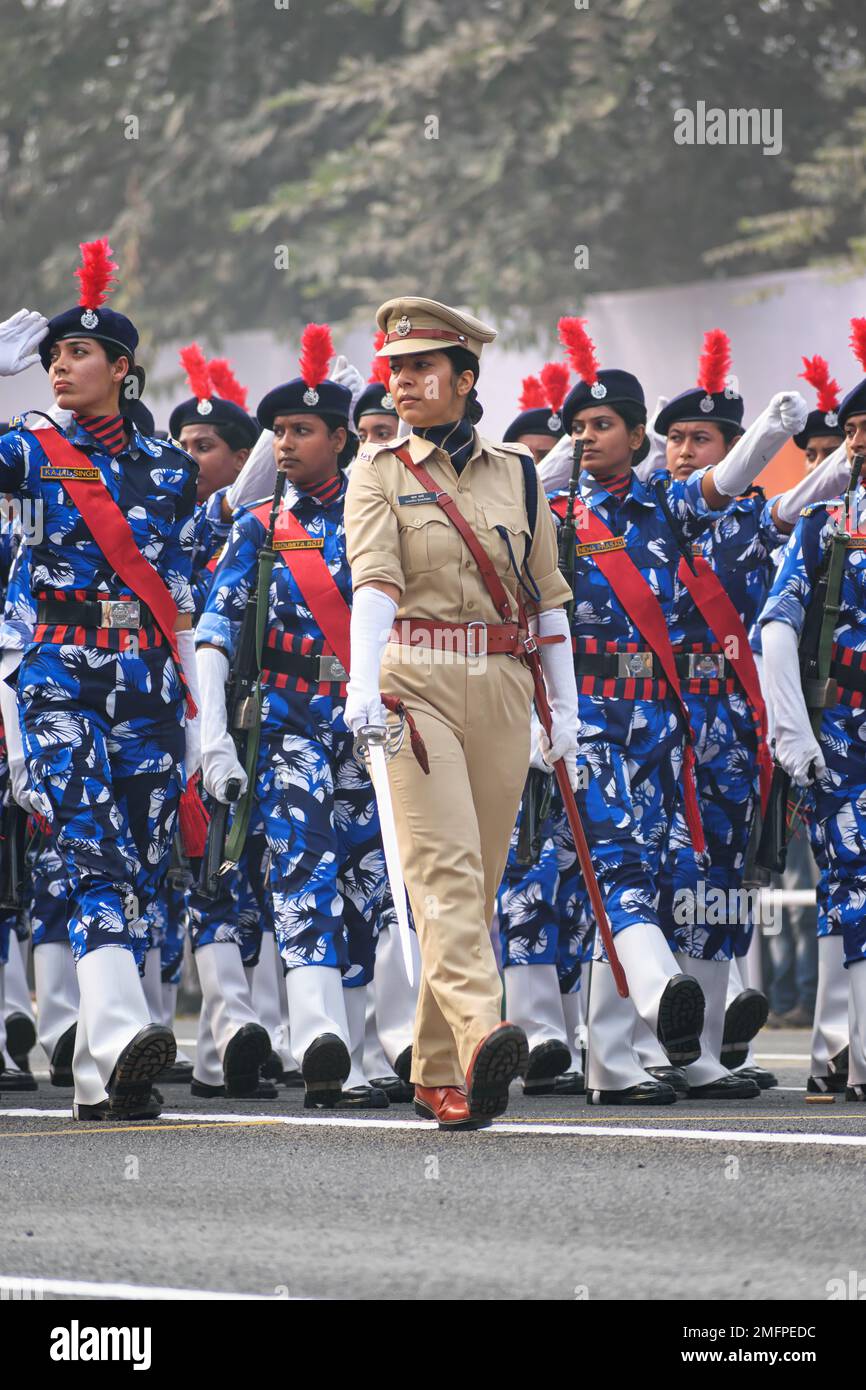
x,y
630,742
327,870
102,709
839,796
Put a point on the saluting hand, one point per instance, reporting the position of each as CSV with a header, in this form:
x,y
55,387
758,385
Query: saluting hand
x,y
19,338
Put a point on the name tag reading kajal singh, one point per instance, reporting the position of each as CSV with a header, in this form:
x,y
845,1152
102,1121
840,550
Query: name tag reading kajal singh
x,y
58,474
597,547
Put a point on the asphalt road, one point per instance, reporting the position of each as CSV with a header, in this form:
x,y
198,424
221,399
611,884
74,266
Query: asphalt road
x,y
715,1201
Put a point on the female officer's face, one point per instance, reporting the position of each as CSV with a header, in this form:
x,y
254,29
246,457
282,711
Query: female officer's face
x,y
608,443
694,444
427,390
377,429
83,379
218,464
305,449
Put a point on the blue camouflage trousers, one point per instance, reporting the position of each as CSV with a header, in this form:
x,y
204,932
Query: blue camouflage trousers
x,y
327,867
711,915
104,743
629,758
243,908
840,826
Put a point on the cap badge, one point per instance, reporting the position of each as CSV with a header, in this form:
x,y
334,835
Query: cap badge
x,y
707,404
831,419
404,326
598,390
311,397
554,422
89,319
387,401
204,407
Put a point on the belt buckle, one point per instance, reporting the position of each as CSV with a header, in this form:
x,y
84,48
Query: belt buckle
x,y
120,613
472,650
331,668
706,666
634,664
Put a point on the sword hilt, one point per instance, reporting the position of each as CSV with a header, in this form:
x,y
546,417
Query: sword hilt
x,y
388,737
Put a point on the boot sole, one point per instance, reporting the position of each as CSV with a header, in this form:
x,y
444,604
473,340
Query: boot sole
x,y
744,1020
20,1036
61,1059
547,1061
325,1067
501,1057
681,1018
152,1050
246,1052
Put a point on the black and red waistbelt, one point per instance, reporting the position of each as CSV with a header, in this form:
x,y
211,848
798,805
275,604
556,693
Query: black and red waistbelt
x,y
847,684
645,665
313,668
95,620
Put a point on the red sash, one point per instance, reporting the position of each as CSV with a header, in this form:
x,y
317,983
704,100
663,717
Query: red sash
x,y
105,521
723,620
304,556
645,611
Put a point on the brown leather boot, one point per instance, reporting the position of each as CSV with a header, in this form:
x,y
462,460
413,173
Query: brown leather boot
x,y
447,1104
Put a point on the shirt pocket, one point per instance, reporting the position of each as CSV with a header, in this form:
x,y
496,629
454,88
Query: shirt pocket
x,y
503,531
428,541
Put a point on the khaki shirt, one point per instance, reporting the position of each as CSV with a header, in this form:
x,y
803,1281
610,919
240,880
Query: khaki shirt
x,y
414,546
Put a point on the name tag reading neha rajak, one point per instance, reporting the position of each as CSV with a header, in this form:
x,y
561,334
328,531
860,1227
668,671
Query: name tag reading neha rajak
x,y
417,499
314,543
597,547
47,470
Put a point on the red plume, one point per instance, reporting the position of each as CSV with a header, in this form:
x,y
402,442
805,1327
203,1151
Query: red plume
x,y
532,395
317,349
580,348
715,363
380,367
193,361
554,379
817,374
858,340
95,272
225,383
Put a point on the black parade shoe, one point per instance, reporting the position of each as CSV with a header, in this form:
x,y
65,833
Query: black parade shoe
x,y
732,1087
397,1091
570,1083
745,1016
646,1093
60,1065
325,1067
672,1076
16,1081
245,1054
546,1061
681,1019
20,1038
403,1066
363,1098
129,1090
765,1079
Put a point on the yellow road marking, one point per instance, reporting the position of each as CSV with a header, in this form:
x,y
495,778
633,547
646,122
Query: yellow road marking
x,y
89,1128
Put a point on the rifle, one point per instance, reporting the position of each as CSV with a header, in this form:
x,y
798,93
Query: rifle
x,y
819,689
244,705
567,532
13,844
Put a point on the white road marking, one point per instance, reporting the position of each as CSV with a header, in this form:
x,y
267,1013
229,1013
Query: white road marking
x,y
730,1136
783,1056
22,1285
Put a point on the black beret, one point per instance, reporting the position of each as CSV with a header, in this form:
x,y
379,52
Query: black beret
x,y
716,407
819,422
221,412
297,398
375,399
613,387
106,325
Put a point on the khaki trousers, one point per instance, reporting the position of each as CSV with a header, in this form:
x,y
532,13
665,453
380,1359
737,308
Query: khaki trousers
x,y
453,829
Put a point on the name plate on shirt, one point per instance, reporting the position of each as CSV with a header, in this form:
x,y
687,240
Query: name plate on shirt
x,y
47,470
417,499
596,547
314,543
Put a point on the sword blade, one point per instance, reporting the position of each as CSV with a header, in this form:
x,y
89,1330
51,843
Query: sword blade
x,y
388,831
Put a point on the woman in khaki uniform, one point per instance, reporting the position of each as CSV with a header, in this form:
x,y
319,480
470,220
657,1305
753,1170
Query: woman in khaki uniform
x,y
425,628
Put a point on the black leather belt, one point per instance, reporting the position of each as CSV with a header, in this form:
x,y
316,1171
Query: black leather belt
x,y
308,667
643,665
122,613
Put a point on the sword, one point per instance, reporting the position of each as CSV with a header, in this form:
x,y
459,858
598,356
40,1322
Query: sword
x,y
370,744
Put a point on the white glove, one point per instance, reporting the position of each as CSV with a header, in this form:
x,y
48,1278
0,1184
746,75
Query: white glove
x,y
658,455
219,759
346,375
192,755
785,415
823,484
795,745
373,616
554,471
536,755
258,477
557,663
26,796
19,338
